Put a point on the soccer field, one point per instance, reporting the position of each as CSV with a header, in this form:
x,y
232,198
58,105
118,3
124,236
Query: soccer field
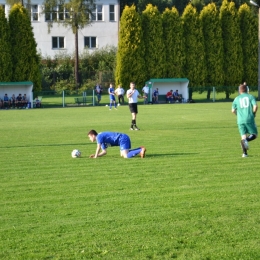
x,y
192,197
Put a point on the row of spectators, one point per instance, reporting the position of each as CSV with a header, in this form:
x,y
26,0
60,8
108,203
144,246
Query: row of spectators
x,y
13,102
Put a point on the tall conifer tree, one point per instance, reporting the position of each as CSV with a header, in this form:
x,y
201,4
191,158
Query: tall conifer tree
x,y
233,56
173,39
130,56
214,53
249,29
154,42
194,67
24,54
5,49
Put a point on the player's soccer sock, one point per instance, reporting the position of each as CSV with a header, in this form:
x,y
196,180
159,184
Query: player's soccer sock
x,y
251,137
134,152
110,105
243,147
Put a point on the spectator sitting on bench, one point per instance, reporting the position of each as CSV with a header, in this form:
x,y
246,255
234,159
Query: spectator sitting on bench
x,y
169,96
1,103
24,101
37,102
6,101
156,96
12,101
19,102
177,97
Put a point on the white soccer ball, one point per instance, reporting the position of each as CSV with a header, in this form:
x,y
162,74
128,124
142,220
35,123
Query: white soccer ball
x,y
75,153
118,104
106,105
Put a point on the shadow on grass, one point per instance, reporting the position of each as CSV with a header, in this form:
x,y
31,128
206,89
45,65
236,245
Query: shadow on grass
x,y
42,145
168,154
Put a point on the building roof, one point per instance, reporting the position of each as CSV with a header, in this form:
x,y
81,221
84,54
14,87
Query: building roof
x,y
168,80
16,83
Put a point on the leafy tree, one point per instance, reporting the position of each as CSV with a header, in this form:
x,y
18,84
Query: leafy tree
x,y
78,16
24,52
124,3
214,53
173,38
249,29
5,49
194,66
154,44
233,56
130,56
160,4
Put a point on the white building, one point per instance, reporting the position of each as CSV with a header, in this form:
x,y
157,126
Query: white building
x,y
101,32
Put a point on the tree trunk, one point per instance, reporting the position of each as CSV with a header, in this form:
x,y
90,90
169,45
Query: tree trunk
x,y
76,60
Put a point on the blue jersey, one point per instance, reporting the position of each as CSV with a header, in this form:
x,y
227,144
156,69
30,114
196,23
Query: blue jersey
x,y
107,139
156,93
110,91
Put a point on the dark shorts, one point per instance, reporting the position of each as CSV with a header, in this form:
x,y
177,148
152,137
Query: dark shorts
x,y
133,108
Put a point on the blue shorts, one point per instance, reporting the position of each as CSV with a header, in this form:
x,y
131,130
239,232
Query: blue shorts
x,y
112,97
125,142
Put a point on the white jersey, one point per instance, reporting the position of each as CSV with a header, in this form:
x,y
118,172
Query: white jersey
x,y
145,89
134,97
120,91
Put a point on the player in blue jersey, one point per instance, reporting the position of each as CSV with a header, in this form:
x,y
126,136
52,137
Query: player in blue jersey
x,y
107,139
111,92
245,107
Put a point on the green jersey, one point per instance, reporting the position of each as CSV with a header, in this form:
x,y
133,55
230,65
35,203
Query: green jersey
x,y
243,104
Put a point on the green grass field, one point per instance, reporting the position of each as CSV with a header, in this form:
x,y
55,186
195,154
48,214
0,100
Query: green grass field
x,y
192,197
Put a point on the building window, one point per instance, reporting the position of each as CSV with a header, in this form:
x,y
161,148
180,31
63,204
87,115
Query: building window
x,y
111,13
34,13
57,13
58,43
90,42
97,14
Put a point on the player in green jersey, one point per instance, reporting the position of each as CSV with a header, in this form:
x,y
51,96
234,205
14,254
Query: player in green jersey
x,y
245,107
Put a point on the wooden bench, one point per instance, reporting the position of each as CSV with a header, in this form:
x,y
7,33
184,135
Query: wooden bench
x,y
162,99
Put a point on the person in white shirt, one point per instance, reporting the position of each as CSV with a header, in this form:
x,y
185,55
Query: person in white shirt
x,y
120,94
133,95
145,91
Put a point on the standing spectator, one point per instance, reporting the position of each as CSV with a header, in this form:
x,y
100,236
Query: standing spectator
x,y
155,96
177,97
145,91
169,96
111,92
19,102
245,107
120,94
107,139
246,87
24,101
13,101
133,95
98,90
6,101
